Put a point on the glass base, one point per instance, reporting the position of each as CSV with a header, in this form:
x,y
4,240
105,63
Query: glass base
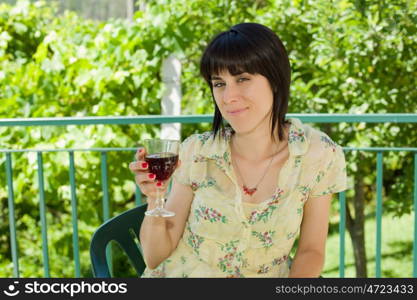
x,y
160,212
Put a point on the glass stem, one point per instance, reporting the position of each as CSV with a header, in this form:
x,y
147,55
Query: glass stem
x,y
159,199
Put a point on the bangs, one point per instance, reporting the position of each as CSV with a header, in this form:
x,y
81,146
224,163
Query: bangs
x,y
229,52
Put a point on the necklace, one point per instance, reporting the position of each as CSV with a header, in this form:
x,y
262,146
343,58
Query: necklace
x,y
251,191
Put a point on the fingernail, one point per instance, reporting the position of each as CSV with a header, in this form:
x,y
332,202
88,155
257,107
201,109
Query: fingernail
x,y
151,176
159,184
144,165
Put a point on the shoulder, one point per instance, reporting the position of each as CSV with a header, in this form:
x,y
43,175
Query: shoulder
x,y
198,138
206,144
321,146
197,141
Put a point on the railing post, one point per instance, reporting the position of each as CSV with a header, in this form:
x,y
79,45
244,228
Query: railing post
x,y
138,193
74,216
342,229
12,220
43,216
415,218
106,204
379,168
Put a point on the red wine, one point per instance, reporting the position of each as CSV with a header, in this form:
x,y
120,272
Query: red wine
x,y
162,164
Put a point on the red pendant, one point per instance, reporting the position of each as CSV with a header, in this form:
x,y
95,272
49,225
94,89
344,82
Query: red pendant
x,y
249,191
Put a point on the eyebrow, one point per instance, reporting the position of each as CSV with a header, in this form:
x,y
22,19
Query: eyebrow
x,y
219,78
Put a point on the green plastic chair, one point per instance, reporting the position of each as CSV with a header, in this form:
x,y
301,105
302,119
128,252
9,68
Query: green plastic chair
x,y
122,229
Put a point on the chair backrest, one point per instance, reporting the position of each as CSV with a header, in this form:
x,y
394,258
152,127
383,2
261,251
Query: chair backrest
x,y
122,229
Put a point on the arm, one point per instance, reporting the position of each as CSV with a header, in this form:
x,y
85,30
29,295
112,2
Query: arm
x,y
309,258
160,236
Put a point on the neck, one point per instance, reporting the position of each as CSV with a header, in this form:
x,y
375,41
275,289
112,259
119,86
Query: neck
x,y
257,146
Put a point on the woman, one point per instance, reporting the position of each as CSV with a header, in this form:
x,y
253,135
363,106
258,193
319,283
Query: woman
x,y
243,192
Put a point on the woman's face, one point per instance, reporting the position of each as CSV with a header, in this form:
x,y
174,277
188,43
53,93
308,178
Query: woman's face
x,y
244,100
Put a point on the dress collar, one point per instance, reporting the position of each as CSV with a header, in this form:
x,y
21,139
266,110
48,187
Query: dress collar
x,y
298,141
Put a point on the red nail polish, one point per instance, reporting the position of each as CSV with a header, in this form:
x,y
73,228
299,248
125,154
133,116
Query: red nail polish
x,y
151,176
159,184
144,165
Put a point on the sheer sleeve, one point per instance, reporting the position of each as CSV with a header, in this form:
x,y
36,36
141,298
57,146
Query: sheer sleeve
x,y
182,174
332,177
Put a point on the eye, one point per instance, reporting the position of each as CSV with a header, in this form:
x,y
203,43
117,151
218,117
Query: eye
x,y
241,79
218,84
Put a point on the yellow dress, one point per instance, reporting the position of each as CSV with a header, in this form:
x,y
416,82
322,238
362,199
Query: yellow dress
x,y
225,237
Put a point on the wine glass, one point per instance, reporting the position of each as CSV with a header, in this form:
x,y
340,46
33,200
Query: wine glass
x,y
162,157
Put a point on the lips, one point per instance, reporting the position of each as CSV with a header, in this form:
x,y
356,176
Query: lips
x,y
236,111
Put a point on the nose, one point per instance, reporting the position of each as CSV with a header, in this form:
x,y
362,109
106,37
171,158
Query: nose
x,y
231,93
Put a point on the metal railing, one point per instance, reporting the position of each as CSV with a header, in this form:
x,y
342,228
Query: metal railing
x,y
307,118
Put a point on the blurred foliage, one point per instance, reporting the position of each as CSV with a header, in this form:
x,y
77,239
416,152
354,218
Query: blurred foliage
x,y
347,56
92,9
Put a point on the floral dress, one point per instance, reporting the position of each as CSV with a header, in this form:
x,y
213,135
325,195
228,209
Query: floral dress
x,y
225,237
